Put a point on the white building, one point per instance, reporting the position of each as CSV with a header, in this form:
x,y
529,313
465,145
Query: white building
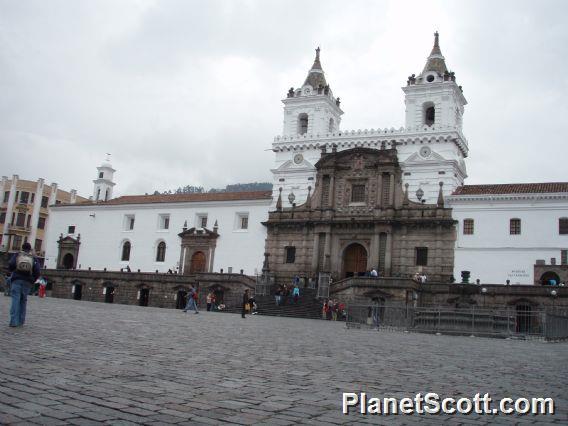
x,y
141,232
432,151
504,229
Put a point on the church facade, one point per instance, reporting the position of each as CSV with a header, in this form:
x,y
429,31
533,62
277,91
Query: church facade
x,y
342,201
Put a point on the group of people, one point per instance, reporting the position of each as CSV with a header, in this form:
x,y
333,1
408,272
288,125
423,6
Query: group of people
x,y
248,302
333,310
24,272
420,278
286,294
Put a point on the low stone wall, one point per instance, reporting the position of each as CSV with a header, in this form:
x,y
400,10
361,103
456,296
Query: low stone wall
x,y
163,290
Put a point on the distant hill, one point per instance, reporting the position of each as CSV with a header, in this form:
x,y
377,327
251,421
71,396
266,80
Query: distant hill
x,y
237,187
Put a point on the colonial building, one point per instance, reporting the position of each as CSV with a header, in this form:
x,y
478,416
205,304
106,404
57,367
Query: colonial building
x,y
358,218
182,233
24,211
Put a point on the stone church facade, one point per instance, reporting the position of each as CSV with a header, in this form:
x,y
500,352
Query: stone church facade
x,y
358,217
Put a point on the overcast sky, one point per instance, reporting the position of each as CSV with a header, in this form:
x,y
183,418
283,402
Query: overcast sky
x,y
188,92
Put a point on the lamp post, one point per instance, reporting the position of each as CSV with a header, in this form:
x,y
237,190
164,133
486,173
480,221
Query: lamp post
x,y
484,292
553,293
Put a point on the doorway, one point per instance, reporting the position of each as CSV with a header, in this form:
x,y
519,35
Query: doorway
x,y
144,296
109,294
78,293
197,262
181,299
354,260
524,319
68,261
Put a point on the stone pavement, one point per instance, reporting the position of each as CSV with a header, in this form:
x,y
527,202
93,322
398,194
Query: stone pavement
x,y
89,363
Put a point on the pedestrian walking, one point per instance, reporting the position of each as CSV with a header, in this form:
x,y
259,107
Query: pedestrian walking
x,y
25,270
191,300
42,286
209,301
245,303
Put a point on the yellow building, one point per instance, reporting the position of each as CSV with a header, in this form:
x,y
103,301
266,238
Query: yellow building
x,y
24,211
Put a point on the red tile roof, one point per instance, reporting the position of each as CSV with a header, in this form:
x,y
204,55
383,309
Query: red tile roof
x,y
182,198
513,188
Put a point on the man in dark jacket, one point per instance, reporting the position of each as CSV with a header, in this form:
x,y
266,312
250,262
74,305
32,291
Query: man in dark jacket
x,y
245,301
21,283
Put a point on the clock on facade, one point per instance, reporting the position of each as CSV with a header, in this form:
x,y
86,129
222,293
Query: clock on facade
x,y
425,152
298,158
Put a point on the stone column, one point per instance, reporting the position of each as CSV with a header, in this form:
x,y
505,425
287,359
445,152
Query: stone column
x,y
374,248
10,210
379,190
388,255
332,192
327,252
391,189
315,253
35,212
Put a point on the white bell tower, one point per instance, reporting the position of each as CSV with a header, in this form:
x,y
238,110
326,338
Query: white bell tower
x,y
433,98
103,183
312,109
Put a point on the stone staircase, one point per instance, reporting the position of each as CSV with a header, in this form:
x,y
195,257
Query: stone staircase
x,y
307,307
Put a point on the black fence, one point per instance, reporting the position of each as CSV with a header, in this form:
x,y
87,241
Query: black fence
x,y
503,322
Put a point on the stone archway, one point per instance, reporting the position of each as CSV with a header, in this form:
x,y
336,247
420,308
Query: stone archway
x,y
68,261
547,276
198,262
354,260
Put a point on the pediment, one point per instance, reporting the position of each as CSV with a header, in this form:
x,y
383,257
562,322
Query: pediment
x,y
290,165
417,158
198,233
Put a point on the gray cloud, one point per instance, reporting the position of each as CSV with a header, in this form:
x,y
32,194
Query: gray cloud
x,y
189,92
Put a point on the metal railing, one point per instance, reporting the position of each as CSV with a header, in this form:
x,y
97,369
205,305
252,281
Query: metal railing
x,y
264,284
502,322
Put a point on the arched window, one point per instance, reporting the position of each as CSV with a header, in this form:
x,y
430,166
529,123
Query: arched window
x,y
429,114
468,226
331,123
563,225
106,195
515,226
125,251
303,123
161,252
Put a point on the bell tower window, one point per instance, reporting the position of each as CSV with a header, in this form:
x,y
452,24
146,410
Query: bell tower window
x,y
429,114
330,125
303,124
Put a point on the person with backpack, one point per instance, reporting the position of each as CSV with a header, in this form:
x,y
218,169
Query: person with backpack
x,y
25,270
191,300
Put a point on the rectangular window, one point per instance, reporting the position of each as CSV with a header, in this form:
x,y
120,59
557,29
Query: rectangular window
x,y
21,219
563,226
6,196
564,257
71,229
242,221
421,256
101,174
17,242
28,220
468,226
2,217
515,227
358,193
24,196
37,245
290,254
129,222
44,202
164,221
201,221
385,190
41,223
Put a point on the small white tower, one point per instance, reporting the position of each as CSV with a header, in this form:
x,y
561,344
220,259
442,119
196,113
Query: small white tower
x,y
103,183
433,98
312,109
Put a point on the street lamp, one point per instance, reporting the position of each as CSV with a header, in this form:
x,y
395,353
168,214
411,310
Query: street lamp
x,y
484,292
553,293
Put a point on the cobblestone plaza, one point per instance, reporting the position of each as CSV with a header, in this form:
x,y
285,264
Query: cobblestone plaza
x,y
85,363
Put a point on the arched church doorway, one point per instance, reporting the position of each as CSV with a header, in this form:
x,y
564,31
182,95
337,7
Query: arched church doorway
x,y
197,262
109,294
68,261
354,260
549,277
181,299
524,318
